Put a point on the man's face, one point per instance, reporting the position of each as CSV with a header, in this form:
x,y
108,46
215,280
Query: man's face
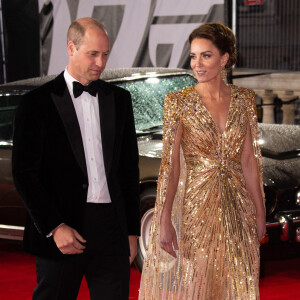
x,y
88,61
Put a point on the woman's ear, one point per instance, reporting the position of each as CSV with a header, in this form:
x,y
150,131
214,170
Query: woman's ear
x,y
224,59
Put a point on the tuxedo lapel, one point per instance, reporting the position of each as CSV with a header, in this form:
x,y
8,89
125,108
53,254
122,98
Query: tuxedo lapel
x,y
107,123
66,110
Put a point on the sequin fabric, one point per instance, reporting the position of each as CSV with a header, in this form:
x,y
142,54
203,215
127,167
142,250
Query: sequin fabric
x,y
213,214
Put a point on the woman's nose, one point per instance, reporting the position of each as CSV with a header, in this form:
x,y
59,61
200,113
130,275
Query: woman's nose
x,y
199,62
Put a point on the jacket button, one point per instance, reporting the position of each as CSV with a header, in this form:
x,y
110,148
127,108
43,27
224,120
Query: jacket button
x,y
84,186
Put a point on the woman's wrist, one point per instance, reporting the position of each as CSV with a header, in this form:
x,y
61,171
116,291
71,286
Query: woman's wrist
x,y
260,215
165,216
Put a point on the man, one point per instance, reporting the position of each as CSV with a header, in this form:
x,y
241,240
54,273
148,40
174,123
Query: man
x,y
75,164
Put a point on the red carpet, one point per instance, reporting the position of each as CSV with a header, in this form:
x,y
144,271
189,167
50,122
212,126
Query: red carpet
x,y
281,281
17,277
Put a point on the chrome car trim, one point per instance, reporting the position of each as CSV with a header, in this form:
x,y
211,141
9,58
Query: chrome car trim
x,y
273,224
11,232
157,75
145,230
6,144
149,180
289,220
298,235
15,92
286,224
280,155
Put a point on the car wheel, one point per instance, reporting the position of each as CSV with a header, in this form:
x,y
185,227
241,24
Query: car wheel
x,y
147,201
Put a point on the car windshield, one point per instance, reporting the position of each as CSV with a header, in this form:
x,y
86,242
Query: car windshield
x,y
148,97
8,104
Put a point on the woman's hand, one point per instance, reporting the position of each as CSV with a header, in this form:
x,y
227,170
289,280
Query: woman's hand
x,y
168,238
261,226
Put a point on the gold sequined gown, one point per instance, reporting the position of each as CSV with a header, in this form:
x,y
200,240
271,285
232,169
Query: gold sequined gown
x,y
213,214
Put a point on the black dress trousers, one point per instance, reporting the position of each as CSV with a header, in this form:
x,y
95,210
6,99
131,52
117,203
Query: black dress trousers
x,y
104,263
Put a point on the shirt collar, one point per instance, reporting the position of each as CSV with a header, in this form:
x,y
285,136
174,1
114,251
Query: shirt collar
x,y
69,81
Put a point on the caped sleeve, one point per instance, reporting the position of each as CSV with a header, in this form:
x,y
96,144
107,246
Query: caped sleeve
x,y
171,121
161,269
252,117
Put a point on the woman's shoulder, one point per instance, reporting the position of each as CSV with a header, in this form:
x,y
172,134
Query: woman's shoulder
x,y
180,98
242,91
244,97
186,92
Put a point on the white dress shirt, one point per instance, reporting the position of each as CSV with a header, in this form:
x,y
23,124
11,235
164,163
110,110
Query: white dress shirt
x,y
87,111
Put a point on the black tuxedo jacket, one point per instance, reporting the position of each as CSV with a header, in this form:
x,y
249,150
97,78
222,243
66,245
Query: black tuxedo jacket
x,y
49,166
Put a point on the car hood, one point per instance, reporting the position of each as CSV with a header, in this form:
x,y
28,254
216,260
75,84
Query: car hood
x,y
280,146
150,145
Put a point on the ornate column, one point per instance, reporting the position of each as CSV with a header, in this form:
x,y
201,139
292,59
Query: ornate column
x,y
268,106
288,109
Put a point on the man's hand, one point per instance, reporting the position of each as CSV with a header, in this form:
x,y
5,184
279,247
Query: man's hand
x,y
68,240
133,247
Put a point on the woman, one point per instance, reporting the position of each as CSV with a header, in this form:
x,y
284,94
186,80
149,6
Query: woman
x,y
209,215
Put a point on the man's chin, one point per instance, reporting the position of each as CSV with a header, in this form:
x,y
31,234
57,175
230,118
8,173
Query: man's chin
x,y
95,75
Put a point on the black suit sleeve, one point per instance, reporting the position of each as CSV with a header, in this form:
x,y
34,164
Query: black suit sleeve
x,y
27,160
130,170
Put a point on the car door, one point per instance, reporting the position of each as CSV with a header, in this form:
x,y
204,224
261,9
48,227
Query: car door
x,y
12,211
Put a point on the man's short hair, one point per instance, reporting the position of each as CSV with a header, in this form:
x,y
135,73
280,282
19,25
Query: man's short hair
x,y
78,28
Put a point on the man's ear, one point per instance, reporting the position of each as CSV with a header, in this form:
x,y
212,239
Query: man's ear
x,y
71,48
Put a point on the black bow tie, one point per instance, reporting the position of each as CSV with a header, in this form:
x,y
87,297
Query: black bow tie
x,y
78,88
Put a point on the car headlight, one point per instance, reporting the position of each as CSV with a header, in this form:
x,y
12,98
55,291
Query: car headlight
x,y
298,198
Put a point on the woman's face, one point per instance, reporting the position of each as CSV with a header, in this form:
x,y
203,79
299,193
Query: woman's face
x,y
206,60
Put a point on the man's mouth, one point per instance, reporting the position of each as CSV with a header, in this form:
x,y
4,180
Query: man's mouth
x,y
96,71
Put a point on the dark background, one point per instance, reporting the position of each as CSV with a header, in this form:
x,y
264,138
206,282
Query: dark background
x,y
21,39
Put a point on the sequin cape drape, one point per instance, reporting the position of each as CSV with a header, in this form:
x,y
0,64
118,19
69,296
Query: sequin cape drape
x,y
222,270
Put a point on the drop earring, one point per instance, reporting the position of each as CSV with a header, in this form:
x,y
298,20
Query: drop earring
x,y
224,74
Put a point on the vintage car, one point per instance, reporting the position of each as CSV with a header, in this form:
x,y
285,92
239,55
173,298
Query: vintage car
x,y
280,148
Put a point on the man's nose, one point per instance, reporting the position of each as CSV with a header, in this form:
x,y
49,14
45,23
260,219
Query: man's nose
x,y
99,61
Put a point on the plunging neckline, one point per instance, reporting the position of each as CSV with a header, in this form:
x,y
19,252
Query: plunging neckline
x,y
210,115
